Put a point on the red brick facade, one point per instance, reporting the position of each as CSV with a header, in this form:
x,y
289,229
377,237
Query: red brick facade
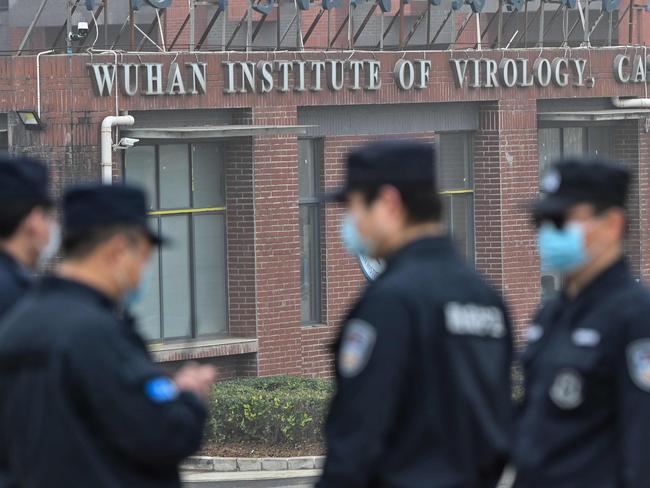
x,y
262,180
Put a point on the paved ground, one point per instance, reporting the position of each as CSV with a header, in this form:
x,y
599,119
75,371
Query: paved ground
x,y
260,479
271,479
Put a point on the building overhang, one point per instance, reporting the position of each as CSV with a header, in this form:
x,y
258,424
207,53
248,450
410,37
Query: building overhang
x,y
213,132
592,116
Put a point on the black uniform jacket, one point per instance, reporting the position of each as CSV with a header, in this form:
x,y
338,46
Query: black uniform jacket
x,y
423,378
585,420
15,281
81,403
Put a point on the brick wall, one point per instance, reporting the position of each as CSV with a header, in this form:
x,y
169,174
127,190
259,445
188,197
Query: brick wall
x,y
277,244
626,147
487,196
643,182
506,178
240,213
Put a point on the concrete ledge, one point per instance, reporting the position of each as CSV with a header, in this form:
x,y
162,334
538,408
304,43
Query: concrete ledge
x,y
275,464
184,351
198,463
232,465
249,464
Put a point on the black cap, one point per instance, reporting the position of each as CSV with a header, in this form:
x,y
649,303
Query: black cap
x,y
575,180
94,206
388,162
23,179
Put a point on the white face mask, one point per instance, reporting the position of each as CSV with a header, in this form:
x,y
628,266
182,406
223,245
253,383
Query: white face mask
x,y
49,252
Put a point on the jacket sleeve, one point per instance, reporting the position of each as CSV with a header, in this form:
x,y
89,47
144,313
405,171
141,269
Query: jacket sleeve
x,y
372,360
129,401
634,400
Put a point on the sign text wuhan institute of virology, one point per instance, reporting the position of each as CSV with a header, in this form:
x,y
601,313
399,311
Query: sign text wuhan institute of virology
x,y
241,77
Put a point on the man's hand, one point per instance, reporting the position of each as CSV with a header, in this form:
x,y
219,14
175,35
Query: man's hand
x,y
197,379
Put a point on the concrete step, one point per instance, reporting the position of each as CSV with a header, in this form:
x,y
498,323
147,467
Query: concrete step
x,y
305,478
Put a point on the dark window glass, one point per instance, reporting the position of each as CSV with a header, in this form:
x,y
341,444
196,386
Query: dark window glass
x,y
210,307
309,154
187,285
455,178
454,169
208,178
174,176
141,171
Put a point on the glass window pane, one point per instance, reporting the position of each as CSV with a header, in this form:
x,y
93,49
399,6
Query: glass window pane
x,y
599,141
307,170
174,176
140,165
462,219
210,274
208,177
309,263
549,148
148,310
176,277
573,141
454,168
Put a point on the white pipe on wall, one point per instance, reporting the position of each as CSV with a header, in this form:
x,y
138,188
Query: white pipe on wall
x,y
619,102
107,143
38,81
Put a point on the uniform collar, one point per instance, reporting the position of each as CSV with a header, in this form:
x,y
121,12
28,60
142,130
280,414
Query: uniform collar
x,y
438,245
76,288
15,266
610,279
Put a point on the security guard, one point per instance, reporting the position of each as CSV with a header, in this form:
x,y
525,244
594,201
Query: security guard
x,y
28,230
423,361
28,236
585,419
81,402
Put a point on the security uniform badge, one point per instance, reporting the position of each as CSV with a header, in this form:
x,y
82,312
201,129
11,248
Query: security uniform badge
x,y
567,389
638,363
161,390
357,344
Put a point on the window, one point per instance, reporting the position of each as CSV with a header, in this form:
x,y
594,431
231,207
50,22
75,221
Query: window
x,y
558,142
188,278
457,189
309,174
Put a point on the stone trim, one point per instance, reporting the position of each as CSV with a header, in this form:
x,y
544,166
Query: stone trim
x,y
184,351
229,465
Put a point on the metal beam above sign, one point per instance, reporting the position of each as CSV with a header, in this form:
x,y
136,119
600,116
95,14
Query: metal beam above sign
x,y
215,132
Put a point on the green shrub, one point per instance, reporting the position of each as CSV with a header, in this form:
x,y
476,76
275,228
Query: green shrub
x,y
273,410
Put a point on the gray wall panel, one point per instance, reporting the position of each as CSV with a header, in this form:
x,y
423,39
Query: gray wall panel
x,y
389,119
181,118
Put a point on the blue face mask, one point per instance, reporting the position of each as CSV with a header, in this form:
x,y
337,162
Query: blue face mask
x,y
352,240
135,296
562,250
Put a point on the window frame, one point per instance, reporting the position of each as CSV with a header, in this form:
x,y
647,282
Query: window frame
x,y
313,202
159,214
469,192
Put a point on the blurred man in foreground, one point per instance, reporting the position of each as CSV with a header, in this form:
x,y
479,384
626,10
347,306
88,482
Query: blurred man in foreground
x,y
81,402
28,237
29,234
423,360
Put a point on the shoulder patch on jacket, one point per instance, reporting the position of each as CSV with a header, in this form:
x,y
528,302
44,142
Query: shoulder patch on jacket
x,y
357,344
161,390
638,363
